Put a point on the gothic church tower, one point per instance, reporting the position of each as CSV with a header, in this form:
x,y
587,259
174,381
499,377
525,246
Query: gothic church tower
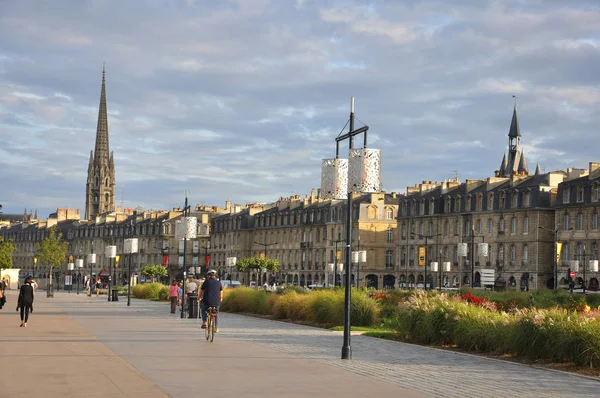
x,y
100,187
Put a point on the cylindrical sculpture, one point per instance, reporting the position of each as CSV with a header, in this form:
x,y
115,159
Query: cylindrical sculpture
x,y
79,263
447,266
574,264
111,251
92,258
70,266
594,265
434,266
462,249
130,246
186,228
334,179
364,170
482,250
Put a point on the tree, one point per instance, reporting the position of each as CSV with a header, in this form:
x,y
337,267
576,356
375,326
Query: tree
x,y
6,250
154,271
257,263
52,252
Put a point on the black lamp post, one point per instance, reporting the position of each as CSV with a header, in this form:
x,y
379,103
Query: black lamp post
x,y
426,237
130,247
555,261
186,209
265,246
473,236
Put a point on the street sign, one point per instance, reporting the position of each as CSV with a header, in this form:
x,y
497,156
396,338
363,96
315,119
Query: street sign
x,y
572,274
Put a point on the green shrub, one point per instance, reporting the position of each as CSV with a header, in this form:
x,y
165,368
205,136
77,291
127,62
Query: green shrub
x,y
247,300
149,291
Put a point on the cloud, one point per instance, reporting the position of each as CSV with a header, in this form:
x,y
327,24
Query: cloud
x,y
241,100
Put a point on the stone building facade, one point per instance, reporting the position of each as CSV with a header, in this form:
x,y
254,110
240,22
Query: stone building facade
x,y
304,236
576,223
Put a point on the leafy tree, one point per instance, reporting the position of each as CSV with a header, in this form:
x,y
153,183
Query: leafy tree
x,y
154,271
6,250
52,252
257,263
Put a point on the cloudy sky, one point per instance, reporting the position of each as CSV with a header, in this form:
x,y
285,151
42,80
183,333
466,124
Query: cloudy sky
x,y
241,99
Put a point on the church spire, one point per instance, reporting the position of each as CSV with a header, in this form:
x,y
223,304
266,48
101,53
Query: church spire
x,y
538,171
514,131
101,151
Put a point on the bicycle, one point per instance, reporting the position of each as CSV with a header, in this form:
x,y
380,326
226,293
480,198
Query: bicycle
x,y
211,323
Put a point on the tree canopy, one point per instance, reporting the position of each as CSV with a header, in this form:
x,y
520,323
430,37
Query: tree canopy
x,y
6,250
52,251
154,271
248,263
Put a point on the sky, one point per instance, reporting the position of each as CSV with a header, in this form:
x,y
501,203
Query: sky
x,y
242,99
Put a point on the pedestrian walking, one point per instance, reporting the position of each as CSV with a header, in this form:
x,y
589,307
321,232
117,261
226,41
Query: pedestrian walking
x,y
174,295
98,285
88,287
25,301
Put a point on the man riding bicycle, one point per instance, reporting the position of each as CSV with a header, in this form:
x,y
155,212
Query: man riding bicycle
x,y
211,295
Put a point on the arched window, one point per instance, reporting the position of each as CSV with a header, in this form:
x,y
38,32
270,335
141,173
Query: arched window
x,y
390,214
372,212
594,250
501,253
431,206
422,207
596,192
490,201
513,253
566,221
580,221
515,200
501,225
457,205
580,193
490,227
595,220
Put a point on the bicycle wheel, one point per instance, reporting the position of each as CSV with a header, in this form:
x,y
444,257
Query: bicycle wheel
x,y
213,326
208,326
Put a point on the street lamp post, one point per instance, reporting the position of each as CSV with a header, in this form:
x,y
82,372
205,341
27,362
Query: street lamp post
x,y
472,260
91,260
79,264
555,261
426,237
265,246
130,246
111,254
70,266
358,257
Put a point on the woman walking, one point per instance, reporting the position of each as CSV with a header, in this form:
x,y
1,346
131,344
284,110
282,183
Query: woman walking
x,y
25,301
173,295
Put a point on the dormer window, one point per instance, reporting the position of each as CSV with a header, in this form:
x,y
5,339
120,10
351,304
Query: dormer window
x,y
431,206
580,192
414,207
457,205
448,205
502,200
527,198
479,203
490,203
468,203
422,205
596,192
566,194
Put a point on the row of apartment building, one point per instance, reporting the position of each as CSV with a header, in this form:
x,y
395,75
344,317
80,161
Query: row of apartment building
x,y
518,217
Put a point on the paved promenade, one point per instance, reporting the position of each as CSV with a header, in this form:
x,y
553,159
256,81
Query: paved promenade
x,y
78,346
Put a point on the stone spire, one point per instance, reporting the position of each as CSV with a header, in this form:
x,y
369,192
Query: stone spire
x,y
523,169
514,130
101,151
538,170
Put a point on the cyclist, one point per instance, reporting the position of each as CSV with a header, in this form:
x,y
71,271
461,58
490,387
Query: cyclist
x,y
211,295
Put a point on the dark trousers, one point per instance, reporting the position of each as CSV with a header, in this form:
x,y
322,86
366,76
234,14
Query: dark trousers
x,y
25,310
173,304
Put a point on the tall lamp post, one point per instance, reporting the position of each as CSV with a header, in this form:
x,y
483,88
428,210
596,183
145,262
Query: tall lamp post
x,y
70,266
91,261
425,255
231,262
265,246
111,254
358,257
130,247
79,265
472,260
186,229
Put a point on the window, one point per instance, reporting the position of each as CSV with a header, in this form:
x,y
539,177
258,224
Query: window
x,y
596,192
513,225
580,253
513,253
448,205
501,253
403,231
430,227
405,208
566,194
389,255
501,225
565,253
580,192
390,235
478,226
490,254
457,205
372,212
431,206
490,203
526,225
595,220
414,207
566,222
525,254
467,226
422,228
594,250
490,226
502,200
527,199
580,221
456,227
390,214
447,228
468,203
479,203
422,205
515,200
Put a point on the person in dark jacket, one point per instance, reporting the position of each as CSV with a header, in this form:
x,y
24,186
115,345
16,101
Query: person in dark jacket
x,y
25,301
